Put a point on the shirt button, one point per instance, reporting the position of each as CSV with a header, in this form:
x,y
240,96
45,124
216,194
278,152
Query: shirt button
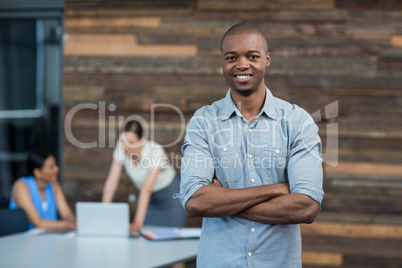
x,y
277,151
249,254
225,149
249,129
249,156
253,230
252,180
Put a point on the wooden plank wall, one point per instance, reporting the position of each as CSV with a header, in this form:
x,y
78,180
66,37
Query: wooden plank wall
x,y
340,58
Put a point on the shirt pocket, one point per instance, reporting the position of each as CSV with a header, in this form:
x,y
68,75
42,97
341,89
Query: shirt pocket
x,y
274,165
280,160
228,163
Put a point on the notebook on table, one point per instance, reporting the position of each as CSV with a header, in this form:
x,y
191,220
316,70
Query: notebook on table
x,y
170,233
102,219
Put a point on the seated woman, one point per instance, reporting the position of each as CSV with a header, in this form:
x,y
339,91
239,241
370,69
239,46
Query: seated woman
x,y
147,165
41,196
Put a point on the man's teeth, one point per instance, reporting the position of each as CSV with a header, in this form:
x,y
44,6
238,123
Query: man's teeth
x,y
243,76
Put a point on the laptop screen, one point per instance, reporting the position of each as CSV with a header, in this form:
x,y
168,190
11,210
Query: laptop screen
x,y
102,219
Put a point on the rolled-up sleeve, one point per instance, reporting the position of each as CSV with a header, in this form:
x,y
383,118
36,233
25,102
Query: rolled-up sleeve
x,y
197,168
305,164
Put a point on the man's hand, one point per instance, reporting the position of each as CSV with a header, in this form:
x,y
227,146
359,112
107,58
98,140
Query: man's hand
x,y
216,182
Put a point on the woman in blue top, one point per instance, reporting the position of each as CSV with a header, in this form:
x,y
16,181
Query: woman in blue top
x,y
41,196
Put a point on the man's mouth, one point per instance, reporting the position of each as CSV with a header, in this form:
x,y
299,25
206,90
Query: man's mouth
x,y
243,78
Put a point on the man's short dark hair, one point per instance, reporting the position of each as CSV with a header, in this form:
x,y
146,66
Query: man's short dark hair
x,y
245,28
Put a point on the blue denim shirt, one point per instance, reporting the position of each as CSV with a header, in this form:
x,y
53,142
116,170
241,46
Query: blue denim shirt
x,y
280,145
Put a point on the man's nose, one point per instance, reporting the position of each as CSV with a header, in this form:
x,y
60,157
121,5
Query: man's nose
x,y
242,64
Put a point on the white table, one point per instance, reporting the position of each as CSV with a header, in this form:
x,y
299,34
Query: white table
x,y
33,249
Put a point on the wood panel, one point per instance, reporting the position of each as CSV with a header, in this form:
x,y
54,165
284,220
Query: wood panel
x,y
143,65
261,4
357,252
353,230
112,23
322,259
396,40
119,45
373,4
367,169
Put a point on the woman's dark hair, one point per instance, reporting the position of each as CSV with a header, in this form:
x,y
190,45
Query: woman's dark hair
x,y
36,159
133,126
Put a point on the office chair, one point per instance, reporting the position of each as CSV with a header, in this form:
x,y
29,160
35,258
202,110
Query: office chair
x,y
12,221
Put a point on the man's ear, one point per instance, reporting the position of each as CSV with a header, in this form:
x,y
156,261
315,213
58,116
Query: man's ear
x,y
268,60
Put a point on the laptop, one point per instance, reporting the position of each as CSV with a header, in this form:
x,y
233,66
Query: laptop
x,y
102,219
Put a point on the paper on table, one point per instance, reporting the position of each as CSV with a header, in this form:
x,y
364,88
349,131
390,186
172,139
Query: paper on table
x,y
189,232
171,233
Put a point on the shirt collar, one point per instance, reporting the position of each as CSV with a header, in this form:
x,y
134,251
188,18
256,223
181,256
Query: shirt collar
x,y
269,107
229,107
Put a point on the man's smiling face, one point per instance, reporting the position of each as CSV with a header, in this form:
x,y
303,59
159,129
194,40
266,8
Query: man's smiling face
x,y
244,59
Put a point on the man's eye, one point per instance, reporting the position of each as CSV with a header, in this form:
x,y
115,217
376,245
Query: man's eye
x,y
230,58
254,57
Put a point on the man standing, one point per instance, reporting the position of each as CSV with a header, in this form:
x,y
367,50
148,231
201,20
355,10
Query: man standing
x,y
251,165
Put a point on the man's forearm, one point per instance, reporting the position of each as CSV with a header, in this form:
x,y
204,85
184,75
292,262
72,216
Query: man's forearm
x,y
216,201
287,209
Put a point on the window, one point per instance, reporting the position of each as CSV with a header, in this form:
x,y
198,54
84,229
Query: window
x,y
30,84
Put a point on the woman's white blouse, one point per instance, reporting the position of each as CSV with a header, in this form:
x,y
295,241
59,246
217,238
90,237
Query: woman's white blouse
x,y
152,156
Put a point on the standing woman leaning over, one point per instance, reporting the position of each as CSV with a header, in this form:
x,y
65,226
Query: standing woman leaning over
x,y
147,166
41,196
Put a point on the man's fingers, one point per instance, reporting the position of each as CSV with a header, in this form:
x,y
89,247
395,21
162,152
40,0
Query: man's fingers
x,y
216,182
